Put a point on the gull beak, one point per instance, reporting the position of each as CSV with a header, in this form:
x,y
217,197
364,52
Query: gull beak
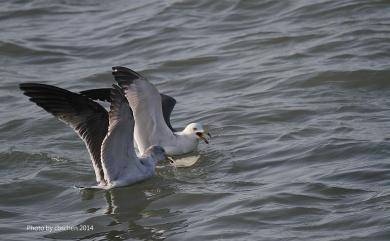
x,y
205,135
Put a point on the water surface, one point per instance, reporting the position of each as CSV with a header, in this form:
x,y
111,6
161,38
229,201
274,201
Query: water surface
x,y
296,94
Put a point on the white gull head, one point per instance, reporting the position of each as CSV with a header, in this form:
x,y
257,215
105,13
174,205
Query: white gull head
x,y
196,131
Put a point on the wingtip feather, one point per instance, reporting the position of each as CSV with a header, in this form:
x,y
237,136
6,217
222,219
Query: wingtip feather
x,y
124,76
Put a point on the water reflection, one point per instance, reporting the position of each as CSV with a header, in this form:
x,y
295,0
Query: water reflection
x,y
124,215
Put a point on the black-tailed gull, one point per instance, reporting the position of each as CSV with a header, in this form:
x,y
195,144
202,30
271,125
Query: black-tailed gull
x,y
107,135
152,112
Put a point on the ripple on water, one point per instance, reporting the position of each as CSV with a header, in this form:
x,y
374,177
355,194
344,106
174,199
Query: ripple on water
x,y
296,94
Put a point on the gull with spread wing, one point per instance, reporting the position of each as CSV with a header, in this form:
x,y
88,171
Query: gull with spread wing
x,y
152,127
152,112
108,136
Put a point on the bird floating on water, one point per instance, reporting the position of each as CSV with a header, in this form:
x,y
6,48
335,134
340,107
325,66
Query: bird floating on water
x,y
107,135
152,112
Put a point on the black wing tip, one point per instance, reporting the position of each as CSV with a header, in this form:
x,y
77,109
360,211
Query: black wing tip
x,y
23,85
122,69
33,90
37,86
125,75
168,98
28,85
119,68
117,96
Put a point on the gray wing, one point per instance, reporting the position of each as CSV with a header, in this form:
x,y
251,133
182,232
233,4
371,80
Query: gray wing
x,y
145,101
103,94
86,117
118,147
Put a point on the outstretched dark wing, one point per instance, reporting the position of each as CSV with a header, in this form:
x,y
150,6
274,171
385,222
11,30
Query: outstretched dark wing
x,y
86,117
167,102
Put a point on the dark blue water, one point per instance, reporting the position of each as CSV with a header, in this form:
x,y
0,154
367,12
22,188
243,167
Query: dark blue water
x,y
296,94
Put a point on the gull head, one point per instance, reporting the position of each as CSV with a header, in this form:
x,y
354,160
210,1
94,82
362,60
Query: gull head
x,y
157,153
199,131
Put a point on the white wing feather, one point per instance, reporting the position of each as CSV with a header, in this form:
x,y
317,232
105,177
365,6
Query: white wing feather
x,y
145,101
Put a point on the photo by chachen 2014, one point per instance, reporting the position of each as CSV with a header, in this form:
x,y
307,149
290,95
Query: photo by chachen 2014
x,y
294,93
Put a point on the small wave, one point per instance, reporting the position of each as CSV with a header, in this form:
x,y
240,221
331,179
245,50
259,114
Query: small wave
x,y
13,49
17,166
362,78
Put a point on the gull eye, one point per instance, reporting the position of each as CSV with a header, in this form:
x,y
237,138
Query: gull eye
x,y
195,129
